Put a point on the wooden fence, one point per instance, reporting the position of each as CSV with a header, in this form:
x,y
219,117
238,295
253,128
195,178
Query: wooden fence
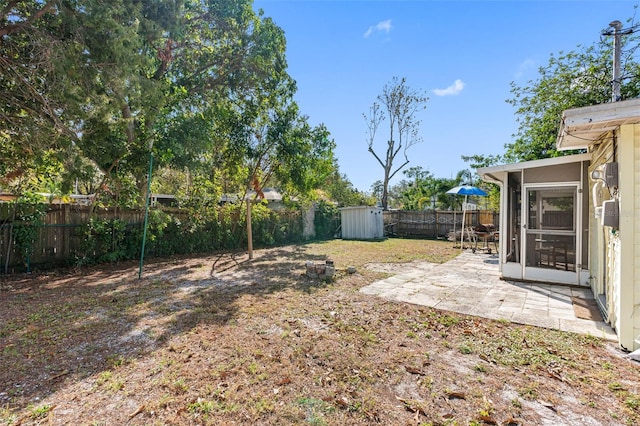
x,y
433,224
59,238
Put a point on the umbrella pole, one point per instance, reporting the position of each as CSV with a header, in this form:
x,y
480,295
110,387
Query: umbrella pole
x,y
463,217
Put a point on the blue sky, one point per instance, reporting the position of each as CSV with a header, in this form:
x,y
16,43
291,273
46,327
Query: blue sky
x,y
462,54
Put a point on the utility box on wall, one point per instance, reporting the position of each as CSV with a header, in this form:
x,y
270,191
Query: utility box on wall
x,y
362,223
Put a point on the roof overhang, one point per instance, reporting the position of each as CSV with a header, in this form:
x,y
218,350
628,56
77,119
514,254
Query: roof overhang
x,y
496,174
581,127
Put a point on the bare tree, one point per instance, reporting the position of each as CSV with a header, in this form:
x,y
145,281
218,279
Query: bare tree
x,y
398,104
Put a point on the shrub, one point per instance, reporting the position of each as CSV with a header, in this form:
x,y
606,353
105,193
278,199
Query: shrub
x,y
326,220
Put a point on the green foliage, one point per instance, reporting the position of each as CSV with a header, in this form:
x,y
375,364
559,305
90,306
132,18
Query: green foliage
x,y
40,412
421,192
107,241
569,80
326,220
28,217
424,191
273,228
92,87
186,232
341,190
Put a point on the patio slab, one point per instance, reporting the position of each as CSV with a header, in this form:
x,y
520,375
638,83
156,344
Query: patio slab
x,y
471,284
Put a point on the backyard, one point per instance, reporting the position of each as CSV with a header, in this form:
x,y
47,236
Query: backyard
x,y
222,339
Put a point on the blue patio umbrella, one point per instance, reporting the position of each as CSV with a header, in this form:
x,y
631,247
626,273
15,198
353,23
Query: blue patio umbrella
x,y
465,190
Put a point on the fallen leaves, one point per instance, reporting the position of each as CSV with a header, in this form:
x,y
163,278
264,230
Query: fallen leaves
x,y
455,395
414,370
138,411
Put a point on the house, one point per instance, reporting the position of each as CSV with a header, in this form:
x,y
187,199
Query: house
x,y
576,219
272,197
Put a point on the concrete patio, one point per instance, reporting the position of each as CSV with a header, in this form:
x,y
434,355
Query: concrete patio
x,y
470,284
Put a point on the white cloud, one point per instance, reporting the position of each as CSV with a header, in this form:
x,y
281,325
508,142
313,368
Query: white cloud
x,y
524,67
384,26
454,89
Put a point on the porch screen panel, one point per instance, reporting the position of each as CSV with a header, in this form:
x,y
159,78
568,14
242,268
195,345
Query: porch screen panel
x,y
512,233
551,228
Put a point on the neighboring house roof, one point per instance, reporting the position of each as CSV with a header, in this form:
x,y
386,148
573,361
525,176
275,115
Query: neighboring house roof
x,y
270,194
582,126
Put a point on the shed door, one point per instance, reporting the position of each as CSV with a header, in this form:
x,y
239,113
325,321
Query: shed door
x,y
549,241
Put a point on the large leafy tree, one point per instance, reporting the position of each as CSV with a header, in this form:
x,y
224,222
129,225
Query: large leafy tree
x,y
93,88
399,105
578,78
33,135
107,81
280,147
340,189
199,54
422,190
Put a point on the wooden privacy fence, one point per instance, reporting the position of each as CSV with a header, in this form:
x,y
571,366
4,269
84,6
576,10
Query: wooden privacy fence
x,y
58,239
432,223
62,239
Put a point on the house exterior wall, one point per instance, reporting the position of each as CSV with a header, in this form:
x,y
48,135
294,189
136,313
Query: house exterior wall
x,y
614,253
601,259
634,131
561,173
628,284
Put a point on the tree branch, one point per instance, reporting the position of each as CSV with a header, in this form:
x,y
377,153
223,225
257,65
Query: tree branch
x,y
34,16
376,156
398,169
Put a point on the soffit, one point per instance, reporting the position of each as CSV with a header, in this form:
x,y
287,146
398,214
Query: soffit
x,y
583,126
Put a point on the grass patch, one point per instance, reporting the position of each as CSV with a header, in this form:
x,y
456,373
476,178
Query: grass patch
x,y
238,341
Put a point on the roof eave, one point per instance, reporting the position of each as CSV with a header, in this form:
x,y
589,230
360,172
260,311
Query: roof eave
x,y
581,127
544,162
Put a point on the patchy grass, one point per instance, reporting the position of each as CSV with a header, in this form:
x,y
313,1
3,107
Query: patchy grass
x,y
223,339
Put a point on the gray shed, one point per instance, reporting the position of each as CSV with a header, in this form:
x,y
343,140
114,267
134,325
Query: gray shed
x,y
362,223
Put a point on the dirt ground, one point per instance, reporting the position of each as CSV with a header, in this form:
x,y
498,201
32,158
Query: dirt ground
x,y
222,340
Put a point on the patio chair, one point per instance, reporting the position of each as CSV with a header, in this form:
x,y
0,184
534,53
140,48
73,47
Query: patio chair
x,y
470,237
487,232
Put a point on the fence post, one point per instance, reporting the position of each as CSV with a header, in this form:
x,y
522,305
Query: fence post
x,y
66,234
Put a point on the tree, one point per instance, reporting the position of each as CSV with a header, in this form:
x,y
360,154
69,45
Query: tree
x,y
107,81
423,190
341,190
34,45
478,161
417,193
399,105
570,80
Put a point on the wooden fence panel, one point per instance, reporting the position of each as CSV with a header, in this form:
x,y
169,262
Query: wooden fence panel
x,y
60,237
433,223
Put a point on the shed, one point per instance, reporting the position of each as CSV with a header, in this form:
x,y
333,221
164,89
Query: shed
x,y
362,223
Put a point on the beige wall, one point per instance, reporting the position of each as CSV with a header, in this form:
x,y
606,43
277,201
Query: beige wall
x,y
628,147
599,239
614,254
560,173
626,254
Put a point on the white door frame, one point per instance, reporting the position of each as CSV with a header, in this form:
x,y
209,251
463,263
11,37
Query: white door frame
x,y
543,274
